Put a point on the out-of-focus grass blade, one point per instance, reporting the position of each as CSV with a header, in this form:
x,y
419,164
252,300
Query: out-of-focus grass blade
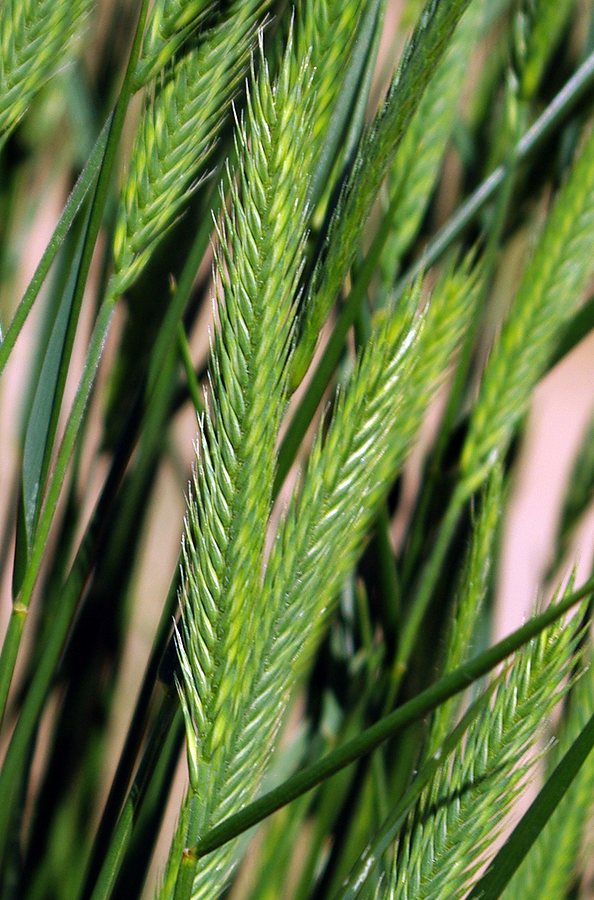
x,y
499,873
37,433
558,110
158,393
349,97
79,192
151,772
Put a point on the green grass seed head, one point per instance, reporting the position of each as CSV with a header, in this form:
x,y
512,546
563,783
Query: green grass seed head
x,y
550,290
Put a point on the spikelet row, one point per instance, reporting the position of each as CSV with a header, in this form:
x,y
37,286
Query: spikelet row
x,y
549,292
421,56
182,121
170,24
36,37
464,806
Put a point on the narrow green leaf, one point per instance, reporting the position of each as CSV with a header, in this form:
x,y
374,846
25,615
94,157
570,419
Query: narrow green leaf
x,y
39,433
186,359
157,744
414,170
351,82
75,200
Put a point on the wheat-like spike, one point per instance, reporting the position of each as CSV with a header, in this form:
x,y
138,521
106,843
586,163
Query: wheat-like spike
x,y
377,418
472,590
352,466
413,173
378,146
36,37
219,794
170,24
452,829
259,263
272,671
180,125
549,292
549,868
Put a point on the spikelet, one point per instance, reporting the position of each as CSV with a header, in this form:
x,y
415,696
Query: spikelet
x,y
350,469
472,590
170,24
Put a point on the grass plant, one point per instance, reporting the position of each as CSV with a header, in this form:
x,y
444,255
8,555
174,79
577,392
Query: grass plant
x,y
294,237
